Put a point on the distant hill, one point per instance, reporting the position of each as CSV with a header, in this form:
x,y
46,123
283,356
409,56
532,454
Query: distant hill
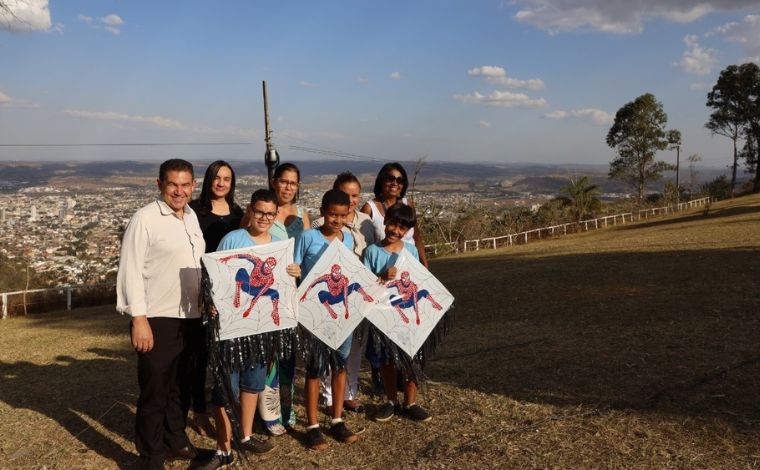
x,y
527,177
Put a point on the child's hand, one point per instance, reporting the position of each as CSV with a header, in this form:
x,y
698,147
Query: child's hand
x,y
390,274
212,311
293,270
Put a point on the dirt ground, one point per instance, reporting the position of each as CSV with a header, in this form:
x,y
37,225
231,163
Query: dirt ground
x,y
630,347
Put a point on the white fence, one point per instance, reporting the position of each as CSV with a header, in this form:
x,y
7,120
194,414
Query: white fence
x,y
583,225
33,298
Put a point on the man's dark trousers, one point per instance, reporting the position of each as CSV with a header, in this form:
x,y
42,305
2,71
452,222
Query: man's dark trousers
x,y
160,422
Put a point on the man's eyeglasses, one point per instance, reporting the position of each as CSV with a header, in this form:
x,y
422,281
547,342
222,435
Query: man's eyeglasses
x,y
398,179
264,215
287,184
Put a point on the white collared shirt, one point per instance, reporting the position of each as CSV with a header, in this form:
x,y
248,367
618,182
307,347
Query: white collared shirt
x,y
159,268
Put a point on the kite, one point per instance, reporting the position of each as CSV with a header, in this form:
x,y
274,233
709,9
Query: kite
x,y
412,309
251,289
336,294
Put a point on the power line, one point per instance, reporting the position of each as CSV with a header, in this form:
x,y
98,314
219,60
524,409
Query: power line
x,y
154,144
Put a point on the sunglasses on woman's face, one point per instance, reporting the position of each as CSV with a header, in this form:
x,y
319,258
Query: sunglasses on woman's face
x,y
398,179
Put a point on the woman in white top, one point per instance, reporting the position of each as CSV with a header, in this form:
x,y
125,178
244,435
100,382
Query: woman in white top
x,y
390,188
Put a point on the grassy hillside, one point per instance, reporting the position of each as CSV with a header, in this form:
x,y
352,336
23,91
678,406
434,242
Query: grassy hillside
x,y
634,346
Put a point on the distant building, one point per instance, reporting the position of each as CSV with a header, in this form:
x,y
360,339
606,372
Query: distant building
x,y
33,214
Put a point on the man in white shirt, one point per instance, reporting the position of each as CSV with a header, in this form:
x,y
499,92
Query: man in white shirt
x,y
158,285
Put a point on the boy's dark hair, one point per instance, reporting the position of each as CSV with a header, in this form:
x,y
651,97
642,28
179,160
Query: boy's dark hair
x,y
282,169
266,195
345,177
174,164
401,214
335,197
382,175
204,200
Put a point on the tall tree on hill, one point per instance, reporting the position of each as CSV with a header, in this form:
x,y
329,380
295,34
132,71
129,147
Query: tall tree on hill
x,y
729,100
637,134
580,197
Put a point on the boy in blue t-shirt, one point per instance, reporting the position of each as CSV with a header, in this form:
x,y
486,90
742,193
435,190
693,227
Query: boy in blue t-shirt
x,y
248,383
380,258
309,247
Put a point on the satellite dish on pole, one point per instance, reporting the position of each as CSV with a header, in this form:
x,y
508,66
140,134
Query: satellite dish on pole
x,y
271,157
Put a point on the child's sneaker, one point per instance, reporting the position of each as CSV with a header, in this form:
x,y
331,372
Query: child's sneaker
x,y
257,446
385,412
416,413
314,439
341,433
217,461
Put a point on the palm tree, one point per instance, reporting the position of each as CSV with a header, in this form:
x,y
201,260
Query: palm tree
x,y
580,197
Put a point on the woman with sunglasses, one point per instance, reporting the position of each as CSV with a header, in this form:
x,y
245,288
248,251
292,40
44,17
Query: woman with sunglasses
x,y
390,188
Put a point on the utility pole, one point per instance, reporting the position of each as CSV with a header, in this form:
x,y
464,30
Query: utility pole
x,y
271,157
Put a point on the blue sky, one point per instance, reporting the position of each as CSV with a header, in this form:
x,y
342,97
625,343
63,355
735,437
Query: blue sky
x,y
500,81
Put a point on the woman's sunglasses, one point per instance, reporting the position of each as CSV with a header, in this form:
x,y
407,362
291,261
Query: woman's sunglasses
x,y
398,179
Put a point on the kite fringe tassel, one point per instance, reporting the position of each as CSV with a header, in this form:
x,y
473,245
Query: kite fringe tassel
x,y
316,353
412,366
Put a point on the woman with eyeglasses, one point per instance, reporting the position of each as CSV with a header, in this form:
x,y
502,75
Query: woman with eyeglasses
x,y
390,188
291,218
290,221
218,214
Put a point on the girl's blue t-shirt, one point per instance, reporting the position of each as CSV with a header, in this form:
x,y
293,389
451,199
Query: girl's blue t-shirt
x,y
378,260
238,239
311,244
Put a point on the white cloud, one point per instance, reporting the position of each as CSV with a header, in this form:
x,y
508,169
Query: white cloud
x,y
484,124
498,76
362,80
696,59
306,84
746,33
502,99
25,16
113,23
617,16
592,115
160,122
396,76
9,102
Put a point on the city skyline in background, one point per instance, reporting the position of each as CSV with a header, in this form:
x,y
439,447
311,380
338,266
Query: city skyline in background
x,y
489,81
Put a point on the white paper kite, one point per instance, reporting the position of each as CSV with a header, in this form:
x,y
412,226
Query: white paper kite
x,y
415,303
251,290
336,295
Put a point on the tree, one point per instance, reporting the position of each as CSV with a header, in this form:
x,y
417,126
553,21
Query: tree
x,y
637,134
728,98
693,173
674,143
580,197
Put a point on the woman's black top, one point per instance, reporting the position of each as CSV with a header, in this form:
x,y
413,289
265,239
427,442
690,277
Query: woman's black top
x,y
215,227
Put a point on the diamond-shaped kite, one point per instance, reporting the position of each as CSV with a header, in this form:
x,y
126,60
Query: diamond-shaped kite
x,y
336,294
415,303
251,290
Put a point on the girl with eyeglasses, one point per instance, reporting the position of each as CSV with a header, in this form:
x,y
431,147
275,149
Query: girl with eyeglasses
x,y
390,188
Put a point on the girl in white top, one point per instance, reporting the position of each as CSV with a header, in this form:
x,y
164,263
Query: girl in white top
x,y
390,188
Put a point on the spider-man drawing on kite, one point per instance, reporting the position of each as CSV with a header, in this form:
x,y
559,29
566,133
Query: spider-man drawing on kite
x,y
338,290
409,296
256,284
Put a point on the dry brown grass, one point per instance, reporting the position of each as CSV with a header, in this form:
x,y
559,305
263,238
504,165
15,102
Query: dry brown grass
x,y
635,346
